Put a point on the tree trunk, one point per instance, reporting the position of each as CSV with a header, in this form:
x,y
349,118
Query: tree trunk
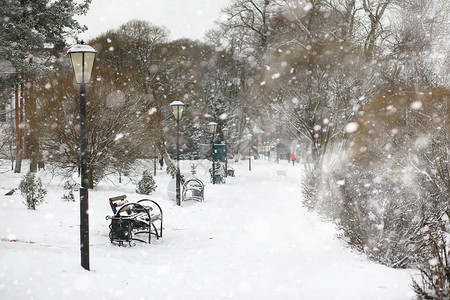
x,y
375,20
32,145
171,168
348,20
90,180
19,119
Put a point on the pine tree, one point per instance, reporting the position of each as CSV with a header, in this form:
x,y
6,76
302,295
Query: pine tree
x,y
147,184
32,190
33,33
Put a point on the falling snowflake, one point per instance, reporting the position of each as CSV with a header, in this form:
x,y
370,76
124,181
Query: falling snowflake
x,y
118,137
351,127
308,7
276,75
433,262
151,111
416,105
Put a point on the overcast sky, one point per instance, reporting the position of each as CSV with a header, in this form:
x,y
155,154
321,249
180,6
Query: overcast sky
x,y
184,18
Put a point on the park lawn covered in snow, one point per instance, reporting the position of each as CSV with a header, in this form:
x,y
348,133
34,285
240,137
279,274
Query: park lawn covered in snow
x,y
250,239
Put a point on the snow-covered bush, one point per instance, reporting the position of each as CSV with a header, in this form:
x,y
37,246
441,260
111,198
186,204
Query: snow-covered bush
x,y
321,193
68,187
309,189
435,267
395,179
69,196
434,244
32,190
147,184
383,217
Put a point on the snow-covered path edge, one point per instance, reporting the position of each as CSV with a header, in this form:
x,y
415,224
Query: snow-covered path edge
x,y
250,239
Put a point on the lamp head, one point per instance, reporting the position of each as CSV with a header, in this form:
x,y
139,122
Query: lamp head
x,y
212,127
177,109
225,132
82,58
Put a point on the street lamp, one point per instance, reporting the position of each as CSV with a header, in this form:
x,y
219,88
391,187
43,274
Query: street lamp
x,y
249,157
82,58
212,128
225,136
177,109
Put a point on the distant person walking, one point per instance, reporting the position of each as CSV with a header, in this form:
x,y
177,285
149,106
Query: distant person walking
x,y
293,158
161,163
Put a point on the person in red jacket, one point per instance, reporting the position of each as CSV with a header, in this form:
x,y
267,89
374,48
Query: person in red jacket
x,y
293,158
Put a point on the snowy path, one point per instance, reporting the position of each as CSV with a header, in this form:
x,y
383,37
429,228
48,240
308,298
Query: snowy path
x,y
270,247
250,239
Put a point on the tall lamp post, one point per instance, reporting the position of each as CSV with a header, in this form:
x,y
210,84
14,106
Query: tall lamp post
x,y
225,136
249,152
177,109
82,58
212,128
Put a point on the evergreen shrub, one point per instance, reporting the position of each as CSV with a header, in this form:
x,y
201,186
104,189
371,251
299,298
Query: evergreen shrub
x,y
32,190
146,185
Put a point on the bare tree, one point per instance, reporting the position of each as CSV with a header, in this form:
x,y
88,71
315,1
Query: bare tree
x,y
374,10
416,45
247,26
115,129
139,46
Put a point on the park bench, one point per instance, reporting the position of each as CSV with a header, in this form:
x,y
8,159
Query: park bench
x,y
131,220
230,171
193,189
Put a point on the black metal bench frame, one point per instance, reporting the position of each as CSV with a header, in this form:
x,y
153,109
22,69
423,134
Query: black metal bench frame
x,y
230,171
219,176
131,219
193,189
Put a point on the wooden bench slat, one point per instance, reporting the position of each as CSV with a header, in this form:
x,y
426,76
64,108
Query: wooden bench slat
x,y
121,197
119,203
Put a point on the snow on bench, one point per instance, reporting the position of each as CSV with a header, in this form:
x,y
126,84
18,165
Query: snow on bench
x,y
133,218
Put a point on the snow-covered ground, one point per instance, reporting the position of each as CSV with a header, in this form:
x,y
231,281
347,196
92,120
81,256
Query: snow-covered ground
x,y
250,239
